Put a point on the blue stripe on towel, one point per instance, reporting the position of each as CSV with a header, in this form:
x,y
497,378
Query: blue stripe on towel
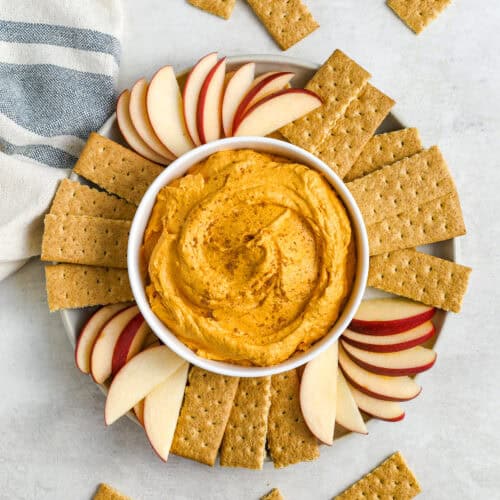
x,y
40,152
76,38
50,100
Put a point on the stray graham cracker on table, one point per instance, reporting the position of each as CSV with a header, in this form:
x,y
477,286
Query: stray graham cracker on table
x,y
106,492
274,494
221,8
417,14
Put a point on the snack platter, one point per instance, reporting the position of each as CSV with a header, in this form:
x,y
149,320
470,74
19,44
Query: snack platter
x,y
392,218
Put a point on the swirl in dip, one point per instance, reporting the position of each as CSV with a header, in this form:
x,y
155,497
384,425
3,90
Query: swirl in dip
x,y
249,258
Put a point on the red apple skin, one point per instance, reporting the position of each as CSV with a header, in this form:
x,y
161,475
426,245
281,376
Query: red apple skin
x,y
390,327
391,347
373,394
120,354
396,419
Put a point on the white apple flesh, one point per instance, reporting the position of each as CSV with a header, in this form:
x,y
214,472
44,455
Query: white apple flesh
x,y
191,93
377,386
161,411
318,394
275,111
348,415
389,316
391,343
138,378
104,346
90,331
164,107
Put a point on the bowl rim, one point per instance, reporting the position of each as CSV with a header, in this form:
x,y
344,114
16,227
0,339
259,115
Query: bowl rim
x,y
178,168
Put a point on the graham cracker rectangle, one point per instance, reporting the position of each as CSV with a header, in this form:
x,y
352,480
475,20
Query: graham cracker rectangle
x,y
417,14
221,8
392,479
204,414
288,438
385,149
338,82
287,21
73,198
436,220
274,494
402,186
421,277
116,169
244,443
70,286
106,492
85,240
345,141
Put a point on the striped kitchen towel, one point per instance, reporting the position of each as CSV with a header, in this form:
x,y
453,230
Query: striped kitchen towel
x,y
59,62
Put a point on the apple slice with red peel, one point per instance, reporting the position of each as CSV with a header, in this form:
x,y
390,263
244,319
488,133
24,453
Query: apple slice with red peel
x,y
161,411
384,410
191,93
140,120
265,86
138,378
275,111
164,107
389,316
104,346
130,134
150,339
348,415
391,343
407,362
90,331
377,386
208,113
318,394
139,411
235,91
129,343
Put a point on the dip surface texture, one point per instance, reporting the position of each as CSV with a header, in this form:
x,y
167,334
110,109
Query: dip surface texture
x,y
249,258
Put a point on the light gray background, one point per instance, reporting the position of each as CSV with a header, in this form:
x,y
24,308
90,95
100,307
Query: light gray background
x,y
53,442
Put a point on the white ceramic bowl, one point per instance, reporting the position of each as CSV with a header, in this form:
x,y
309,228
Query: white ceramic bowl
x,y
177,169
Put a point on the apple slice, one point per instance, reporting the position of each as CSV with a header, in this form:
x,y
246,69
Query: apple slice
x,y
129,343
265,86
164,107
191,93
104,346
139,411
348,415
384,410
236,89
391,343
89,333
161,411
318,394
138,378
407,362
389,316
275,111
140,120
377,386
208,113
150,339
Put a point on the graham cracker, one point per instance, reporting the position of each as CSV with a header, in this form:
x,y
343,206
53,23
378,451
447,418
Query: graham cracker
x,y
207,405
73,198
420,277
70,286
345,141
116,169
436,220
287,21
417,14
274,494
338,82
106,492
288,437
392,479
81,239
244,443
221,8
385,149
402,186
